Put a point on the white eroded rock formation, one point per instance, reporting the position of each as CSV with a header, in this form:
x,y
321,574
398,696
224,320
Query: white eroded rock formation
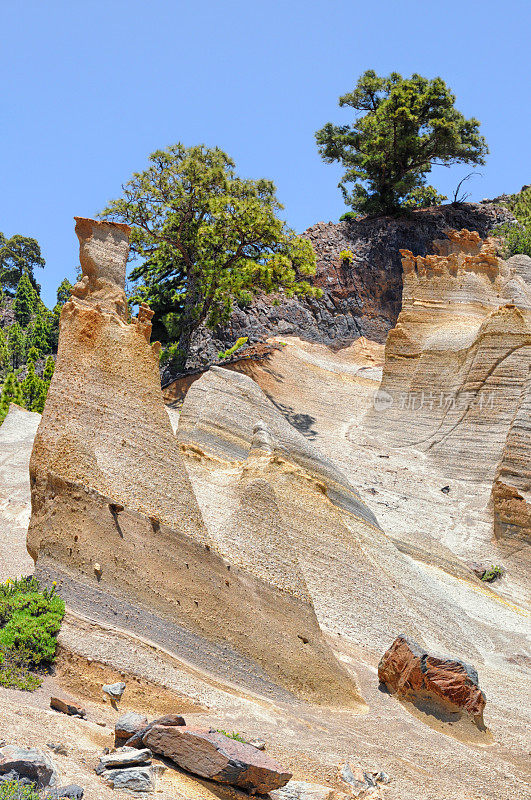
x,y
115,520
456,379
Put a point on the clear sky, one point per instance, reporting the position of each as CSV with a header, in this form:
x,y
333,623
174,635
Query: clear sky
x,y
90,89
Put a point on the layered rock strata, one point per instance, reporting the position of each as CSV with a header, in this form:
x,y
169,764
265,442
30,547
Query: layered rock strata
x,y
456,376
115,520
257,479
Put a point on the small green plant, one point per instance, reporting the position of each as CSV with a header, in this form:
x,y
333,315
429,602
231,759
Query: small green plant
x,y
347,255
236,346
30,619
517,236
492,574
169,353
13,790
350,216
237,736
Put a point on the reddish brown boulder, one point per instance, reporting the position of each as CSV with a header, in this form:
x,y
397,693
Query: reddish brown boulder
x,y
412,673
136,740
66,707
212,755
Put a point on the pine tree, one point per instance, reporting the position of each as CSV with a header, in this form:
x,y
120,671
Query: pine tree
x,y
33,355
11,393
49,369
40,397
25,301
16,345
32,388
63,294
5,356
38,334
400,129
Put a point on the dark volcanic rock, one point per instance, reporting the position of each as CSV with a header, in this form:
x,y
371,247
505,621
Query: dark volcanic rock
x,y
361,298
213,755
413,674
28,763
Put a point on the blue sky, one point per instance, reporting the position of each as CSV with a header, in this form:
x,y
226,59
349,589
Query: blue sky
x,y
90,89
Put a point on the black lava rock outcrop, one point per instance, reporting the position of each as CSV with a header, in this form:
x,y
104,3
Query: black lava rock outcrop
x,y
361,297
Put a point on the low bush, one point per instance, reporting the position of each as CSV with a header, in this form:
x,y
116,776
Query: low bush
x,y
13,790
492,574
517,236
347,255
30,619
236,736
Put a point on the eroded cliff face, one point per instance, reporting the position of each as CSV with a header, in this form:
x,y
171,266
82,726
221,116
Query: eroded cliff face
x,y
258,479
115,520
511,492
455,380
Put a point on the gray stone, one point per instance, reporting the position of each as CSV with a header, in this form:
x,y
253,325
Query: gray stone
x,y
28,763
58,748
114,690
258,743
72,792
124,757
301,790
357,779
136,779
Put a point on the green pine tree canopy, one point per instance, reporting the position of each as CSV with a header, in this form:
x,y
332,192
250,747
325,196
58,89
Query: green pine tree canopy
x,y
206,239
29,331
25,301
19,256
402,127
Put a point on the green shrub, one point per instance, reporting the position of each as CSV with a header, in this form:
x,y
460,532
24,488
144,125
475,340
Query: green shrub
x,y
30,619
169,353
492,574
237,736
236,346
350,216
13,790
347,255
517,237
